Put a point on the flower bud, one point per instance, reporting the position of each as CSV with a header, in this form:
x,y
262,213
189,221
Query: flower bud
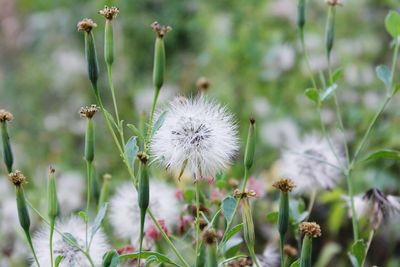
x,y
105,190
144,197
52,208
250,145
310,230
301,16
109,13
5,117
23,214
248,226
330,30
159,55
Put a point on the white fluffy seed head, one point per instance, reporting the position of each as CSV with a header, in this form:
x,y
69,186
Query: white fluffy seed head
x,y
311,163
72,255
199,133
124,212
270,257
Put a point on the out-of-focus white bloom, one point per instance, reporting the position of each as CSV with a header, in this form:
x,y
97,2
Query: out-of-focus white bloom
x,y
198,133
283,8
278,59
359,75
371,100
124,212
360,205
312,164
9,223
261,106
70,191
270,257
72,255
143,99
279,133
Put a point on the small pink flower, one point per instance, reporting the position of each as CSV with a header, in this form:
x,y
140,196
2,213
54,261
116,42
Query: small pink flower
x,y
257,186
184,223
152,232
179,194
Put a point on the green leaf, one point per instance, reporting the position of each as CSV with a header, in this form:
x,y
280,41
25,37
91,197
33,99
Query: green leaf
x,y
296,263
136,131
384,153
329,251
131,150
337,75
237,228
358,251
110,259
329,91
228,207
396,88
146,254
272,217
110,118
158,123
232,246
383,73
392,23
58,260
312,94
98,220
83,215
69,239
150,260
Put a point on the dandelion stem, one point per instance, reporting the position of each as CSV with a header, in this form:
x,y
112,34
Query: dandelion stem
x,y
28,237
197,220
111,85
89,176
281,246
51,241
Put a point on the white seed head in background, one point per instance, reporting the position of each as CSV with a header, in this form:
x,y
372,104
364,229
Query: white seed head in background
x,y
311,163
124,212
72,256
270,257
199,132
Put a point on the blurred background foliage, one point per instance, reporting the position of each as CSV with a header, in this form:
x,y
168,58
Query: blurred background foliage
x,y
249,51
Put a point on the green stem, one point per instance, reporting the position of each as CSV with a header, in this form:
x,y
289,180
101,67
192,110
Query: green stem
x,y
370,237
197,220
51,241
305,53
281,249
89,176
28,237
353,209
167,239
111,85
150,126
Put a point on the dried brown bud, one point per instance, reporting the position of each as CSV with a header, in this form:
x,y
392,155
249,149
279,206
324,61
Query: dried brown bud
x,y
109,12
285,185
311,229
161,30
334,2
202,223
203,84
290,251
245,262
209,236
5,115
143,157
252,121
88,112
17,178
86,25
246,194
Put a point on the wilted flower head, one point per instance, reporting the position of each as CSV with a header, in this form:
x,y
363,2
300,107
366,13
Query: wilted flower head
x,y
72,255
109,12
124,211
88,112
86,25
311,229
161,30
197,134
5,115
311,163
375,205
17,178
284,185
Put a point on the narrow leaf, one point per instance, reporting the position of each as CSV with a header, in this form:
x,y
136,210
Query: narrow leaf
x,y
228,206
358,251
150,260
296,263
98,220
136,131
69,239
384,153
383,73
110,259
233,231
146,254
337,75
131,150
58,260
312,94
83,215
158,123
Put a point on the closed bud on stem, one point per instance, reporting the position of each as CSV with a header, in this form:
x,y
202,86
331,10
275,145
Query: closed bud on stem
x,y
212,256
310,230
248,228
144,198
23,214
105,190
109,43
88,112
250,145
159,55
86,25
301,16
283,218
52,208
5,117
330,30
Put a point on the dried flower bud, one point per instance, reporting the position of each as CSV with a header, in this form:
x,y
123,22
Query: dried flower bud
x,y
86,25
161,30
17,178
284,185
334,2
250,145
203,84
5,115
88,112
143,157
109,12
246,194
209,236
290,251
310,229
245,262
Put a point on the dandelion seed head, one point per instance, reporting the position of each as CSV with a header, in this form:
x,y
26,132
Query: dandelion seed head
x,y
72,255
311,163
198,134
124,212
